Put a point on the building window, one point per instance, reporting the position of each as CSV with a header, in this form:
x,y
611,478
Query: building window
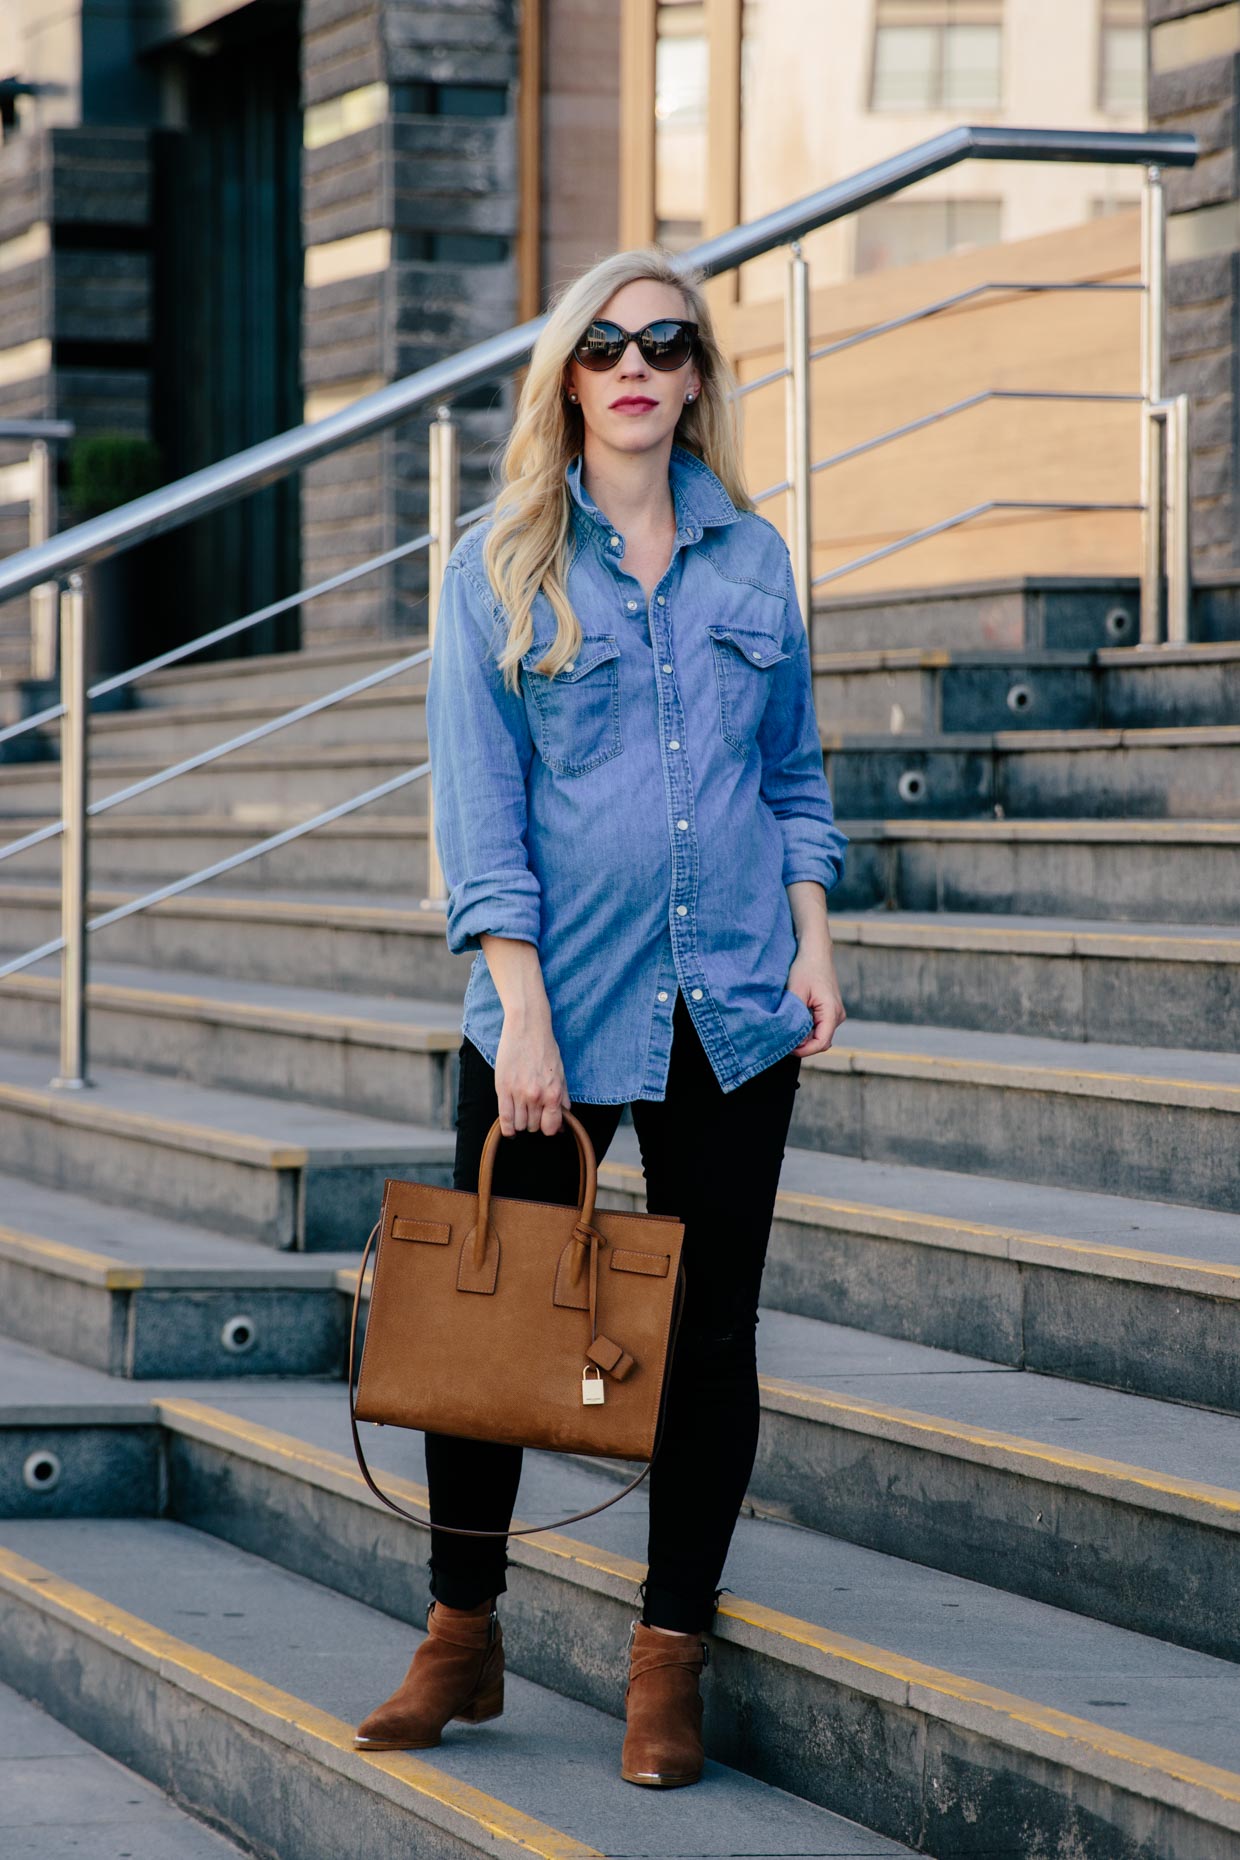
x,y
937,55
680,97
906,232
1121,58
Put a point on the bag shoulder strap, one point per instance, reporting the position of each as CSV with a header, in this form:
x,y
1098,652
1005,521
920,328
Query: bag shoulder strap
x,y
526,1530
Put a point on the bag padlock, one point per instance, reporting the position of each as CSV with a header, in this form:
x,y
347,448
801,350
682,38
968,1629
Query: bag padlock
x,y
592,1391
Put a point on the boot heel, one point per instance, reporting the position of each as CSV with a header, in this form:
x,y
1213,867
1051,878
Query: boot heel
x,y
487,1704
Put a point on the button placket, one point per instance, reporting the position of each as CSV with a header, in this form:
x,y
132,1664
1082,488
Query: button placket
x,y
684,863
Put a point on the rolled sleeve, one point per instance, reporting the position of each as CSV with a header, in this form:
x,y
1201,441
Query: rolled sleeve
x,y
480,752
794,783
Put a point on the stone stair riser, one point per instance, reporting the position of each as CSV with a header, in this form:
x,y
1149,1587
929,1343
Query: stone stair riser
x,y
175,1331
1154,1571
1160,1151
1113,1330
98,1469
1003,619
314,1068
285,949
319,861
168,737
1014,696
292,789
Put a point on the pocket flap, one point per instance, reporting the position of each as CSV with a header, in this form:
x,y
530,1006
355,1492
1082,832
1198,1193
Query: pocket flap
x,y
756,647
594,650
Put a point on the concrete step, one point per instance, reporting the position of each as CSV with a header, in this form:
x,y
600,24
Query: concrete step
x,y
1065,978
920,689
216,1641
1190,772
1106,1289
987,1708
1076,774
63,1797
1160,1123
356,854
1059,612
379,1055
278,677
272,784
140,1295
280,1172
1169,871
167,733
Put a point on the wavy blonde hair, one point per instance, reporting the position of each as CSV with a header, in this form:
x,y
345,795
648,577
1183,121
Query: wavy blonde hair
x,y
528,544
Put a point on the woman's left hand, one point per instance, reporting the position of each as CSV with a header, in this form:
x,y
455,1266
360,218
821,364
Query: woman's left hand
x,y
813,980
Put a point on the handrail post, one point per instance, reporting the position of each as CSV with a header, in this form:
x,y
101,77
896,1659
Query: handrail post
x,y
1153,323
73,867
797,401
445,498
1179,556
43,598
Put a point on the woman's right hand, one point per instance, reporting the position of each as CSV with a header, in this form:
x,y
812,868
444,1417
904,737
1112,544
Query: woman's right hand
x,y
529,1077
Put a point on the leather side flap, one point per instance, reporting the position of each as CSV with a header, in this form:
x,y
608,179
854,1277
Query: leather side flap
x,y
468,1278
626,1260
572,1288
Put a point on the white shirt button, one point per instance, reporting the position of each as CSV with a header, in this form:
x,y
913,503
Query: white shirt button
x,y
682,910
667,668
663,994
662,602
614,541
571,666
682,824
674,744
696,993
632,604
756,655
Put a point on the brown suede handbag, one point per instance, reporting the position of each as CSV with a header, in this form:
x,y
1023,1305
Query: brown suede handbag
x,y
529,1323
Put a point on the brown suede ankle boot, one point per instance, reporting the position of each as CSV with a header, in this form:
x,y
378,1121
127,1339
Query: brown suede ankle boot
x,y
457,1672
663,1708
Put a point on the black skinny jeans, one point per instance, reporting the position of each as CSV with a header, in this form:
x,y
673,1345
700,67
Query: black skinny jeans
x,y
712,1159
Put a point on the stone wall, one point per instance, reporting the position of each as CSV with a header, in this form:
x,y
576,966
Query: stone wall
x,y
1196,89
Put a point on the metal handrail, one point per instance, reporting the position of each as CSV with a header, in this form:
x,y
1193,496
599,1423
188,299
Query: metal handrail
x,y
963,406
272,459
963,516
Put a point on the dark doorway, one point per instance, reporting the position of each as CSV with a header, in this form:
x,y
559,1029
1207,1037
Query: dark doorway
x,y
227,316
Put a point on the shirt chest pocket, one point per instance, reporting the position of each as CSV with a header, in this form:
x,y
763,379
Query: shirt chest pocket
x,y
745,661
575,716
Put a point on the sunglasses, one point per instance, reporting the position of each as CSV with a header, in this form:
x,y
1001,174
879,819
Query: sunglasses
x,y
667,343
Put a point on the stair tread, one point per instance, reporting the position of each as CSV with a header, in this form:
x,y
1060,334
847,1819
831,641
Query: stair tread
x,y
1136,1431
215,1116
77,1236
549,1757
1148,1688
65,1800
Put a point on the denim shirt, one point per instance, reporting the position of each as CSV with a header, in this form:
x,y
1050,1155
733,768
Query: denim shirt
x,y
638,815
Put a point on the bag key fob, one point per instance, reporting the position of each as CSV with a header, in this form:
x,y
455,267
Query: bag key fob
x,y
592,1391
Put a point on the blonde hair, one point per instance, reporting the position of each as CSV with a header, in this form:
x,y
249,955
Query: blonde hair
x,y
529,542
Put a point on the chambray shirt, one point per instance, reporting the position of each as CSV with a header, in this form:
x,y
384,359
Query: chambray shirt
x,y
638,815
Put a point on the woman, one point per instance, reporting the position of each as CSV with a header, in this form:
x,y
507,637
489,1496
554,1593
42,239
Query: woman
x,y
638,839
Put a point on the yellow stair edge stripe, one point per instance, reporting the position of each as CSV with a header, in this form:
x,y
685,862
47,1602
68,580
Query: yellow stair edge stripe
x,y
254,906
168,1655
398,1034
35,1250
1031,1075
995,1242
906,1678
864,932
1015,1447
136,1124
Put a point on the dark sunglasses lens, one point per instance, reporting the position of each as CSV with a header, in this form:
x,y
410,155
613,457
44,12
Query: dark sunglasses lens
x,y
601,346
667,344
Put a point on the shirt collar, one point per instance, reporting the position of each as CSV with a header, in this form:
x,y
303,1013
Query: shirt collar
x,y
698,494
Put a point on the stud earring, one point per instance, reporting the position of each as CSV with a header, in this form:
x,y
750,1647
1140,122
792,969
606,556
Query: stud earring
x,y
572,397
688,400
